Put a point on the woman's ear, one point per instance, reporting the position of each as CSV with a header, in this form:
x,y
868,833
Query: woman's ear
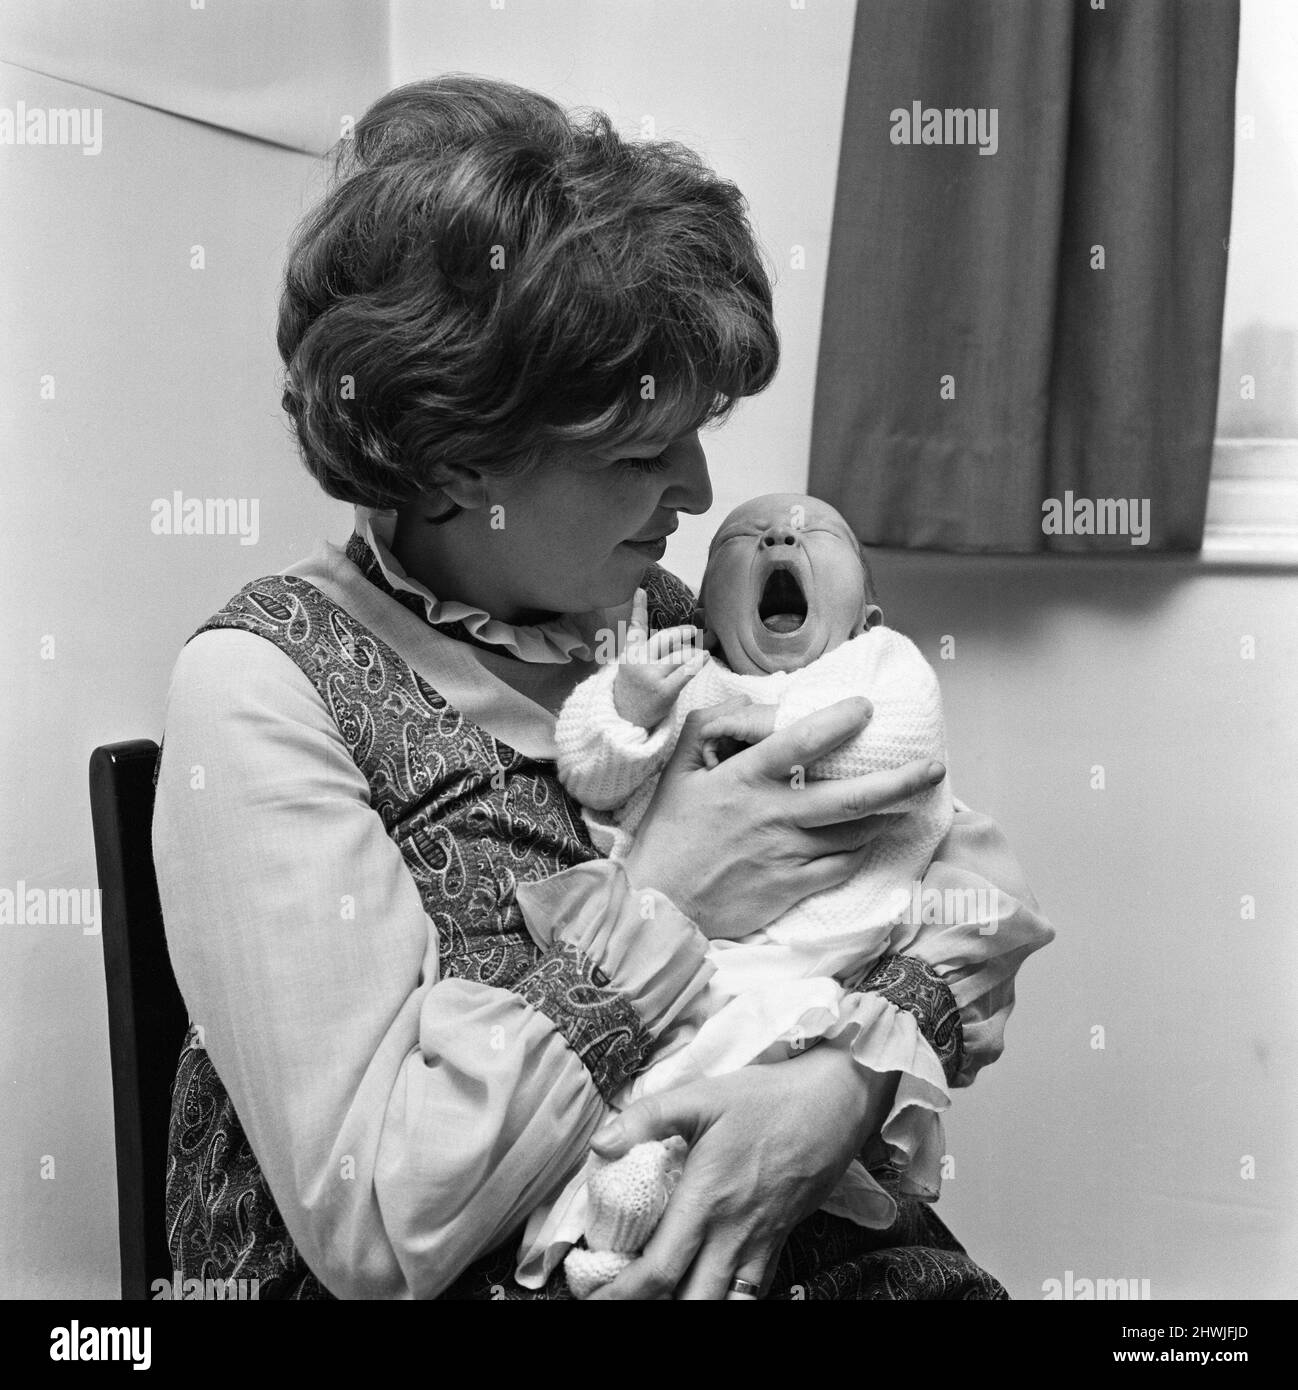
x,y
463,485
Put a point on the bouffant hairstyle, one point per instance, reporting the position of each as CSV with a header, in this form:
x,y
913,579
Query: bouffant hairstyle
x,y
491,278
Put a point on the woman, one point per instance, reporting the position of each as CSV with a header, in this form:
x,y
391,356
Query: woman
x,y
411,978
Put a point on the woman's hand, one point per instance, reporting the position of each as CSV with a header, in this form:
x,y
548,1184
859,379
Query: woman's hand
x,y
767,1144
736,844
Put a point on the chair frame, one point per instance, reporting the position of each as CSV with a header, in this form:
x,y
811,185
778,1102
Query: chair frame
x,y
147,1019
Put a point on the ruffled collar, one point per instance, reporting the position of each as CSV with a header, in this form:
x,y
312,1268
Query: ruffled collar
x,y
559,639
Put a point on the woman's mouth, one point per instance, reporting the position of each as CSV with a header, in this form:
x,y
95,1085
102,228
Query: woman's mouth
x,y
782,606
655,547
655,550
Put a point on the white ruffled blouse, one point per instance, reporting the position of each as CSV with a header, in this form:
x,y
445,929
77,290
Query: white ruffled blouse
x,y
399,1140
562,639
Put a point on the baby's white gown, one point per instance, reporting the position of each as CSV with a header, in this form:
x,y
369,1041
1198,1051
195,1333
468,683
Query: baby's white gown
x,y
780,989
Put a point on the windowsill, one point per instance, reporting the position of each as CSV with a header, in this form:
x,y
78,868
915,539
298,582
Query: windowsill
x,y
1252,504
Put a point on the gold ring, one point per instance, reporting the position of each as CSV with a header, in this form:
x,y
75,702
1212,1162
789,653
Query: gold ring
x,y
743,1286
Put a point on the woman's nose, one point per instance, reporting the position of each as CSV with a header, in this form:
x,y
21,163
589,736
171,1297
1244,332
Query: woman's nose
x,y
690,488
780,535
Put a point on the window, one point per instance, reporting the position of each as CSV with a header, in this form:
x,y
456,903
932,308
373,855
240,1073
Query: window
x,y
1253,492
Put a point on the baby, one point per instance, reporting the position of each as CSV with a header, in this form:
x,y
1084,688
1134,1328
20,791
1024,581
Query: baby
x,y
786,596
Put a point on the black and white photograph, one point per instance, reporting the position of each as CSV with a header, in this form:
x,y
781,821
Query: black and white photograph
x,y
652,655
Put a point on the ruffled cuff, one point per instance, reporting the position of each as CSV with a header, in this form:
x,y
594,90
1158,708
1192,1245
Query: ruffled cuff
x,y
914,987
988,925
885,1039
618,966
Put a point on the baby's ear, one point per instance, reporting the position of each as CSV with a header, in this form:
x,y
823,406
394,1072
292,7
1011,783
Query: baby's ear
x,y
873,616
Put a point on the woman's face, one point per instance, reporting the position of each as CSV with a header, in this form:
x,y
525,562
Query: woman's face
x,y
578,533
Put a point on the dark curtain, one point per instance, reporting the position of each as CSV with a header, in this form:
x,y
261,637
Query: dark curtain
x,y
1115,129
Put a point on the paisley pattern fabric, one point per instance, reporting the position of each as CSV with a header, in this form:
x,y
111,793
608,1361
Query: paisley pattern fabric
x,y
474,818
915,1259
914,986
222,1221
597,1022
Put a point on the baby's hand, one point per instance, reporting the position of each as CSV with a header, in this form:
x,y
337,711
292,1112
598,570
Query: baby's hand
x,y
654,668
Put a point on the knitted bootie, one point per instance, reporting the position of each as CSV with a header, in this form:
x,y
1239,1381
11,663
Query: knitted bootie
x,y
628,1195
626,1198
588,1270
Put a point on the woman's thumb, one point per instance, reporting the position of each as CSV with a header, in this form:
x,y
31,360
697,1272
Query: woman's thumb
x,y
656,1117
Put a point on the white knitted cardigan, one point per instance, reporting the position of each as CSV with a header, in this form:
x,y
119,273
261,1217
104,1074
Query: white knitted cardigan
x,y
612,768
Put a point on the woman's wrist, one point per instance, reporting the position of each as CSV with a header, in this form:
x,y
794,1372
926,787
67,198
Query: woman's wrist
x,y
644,876
866,1096
858,1096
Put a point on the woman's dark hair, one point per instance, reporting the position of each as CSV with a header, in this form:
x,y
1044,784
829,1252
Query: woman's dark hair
x,y
491,277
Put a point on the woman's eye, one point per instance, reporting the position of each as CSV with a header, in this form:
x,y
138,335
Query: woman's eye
x,y
653,465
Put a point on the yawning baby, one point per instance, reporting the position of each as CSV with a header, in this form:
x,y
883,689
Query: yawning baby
x,y
787,596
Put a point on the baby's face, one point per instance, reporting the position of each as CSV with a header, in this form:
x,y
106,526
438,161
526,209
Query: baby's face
x,y
784,584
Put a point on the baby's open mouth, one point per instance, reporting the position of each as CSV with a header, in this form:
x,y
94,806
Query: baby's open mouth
x,y
783,606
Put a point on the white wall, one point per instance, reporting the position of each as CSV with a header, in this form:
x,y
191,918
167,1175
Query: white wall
x,y
164,379
1112,1163
287,72
1126,1162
